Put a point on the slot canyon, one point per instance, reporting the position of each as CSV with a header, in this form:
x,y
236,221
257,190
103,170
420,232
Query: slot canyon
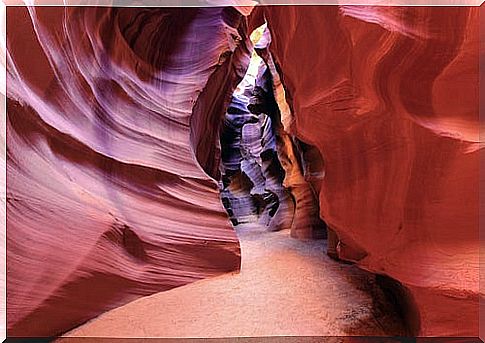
x,y
243,171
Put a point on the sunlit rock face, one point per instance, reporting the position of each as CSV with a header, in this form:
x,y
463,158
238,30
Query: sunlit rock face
x,y
109,193
264,173
252,183
389,97
302,164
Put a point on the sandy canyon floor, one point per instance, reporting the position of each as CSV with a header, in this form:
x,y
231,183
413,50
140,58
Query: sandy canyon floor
x,y
286,287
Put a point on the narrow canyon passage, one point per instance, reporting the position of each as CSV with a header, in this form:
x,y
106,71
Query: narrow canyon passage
x,y
285,287
155,191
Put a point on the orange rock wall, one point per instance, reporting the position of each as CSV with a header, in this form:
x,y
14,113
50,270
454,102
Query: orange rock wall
x,y
389,96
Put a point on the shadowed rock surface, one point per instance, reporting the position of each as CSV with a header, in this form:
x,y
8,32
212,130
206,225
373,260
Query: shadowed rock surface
x,y
252,182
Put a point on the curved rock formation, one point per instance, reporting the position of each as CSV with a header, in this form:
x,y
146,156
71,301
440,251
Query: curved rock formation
x,y
252,186
300,178
109,196
389,96
263,176
113,158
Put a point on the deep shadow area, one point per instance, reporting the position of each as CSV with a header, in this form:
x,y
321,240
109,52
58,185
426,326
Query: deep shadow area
x,y
402,302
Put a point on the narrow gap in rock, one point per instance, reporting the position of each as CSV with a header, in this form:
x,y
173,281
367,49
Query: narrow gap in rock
x,y
252,188
271,181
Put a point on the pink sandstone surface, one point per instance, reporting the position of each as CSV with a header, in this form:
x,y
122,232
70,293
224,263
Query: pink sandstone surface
x,y
106,199
113,155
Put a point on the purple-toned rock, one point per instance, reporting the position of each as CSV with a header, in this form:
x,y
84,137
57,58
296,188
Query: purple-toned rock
x,y
109,196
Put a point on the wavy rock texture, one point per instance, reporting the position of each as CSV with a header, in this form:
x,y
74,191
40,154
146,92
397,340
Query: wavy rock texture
x,y
113,129
109,193
303,170
263,174
389,97
252,187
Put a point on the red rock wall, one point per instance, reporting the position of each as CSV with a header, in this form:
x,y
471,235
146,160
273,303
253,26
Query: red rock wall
x,y
108,199
110,151
389,96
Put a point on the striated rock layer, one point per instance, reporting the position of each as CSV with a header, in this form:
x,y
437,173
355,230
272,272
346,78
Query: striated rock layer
x,y
113,151
262,169
110,188
303,171
389,97
252,188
